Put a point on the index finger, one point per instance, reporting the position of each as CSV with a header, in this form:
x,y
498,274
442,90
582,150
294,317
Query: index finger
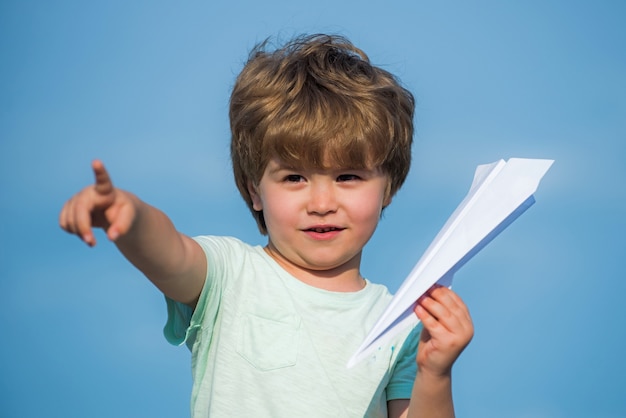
x,y
103,184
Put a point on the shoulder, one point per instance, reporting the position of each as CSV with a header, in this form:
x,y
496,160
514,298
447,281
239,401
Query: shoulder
x,y
379,294
218,241
224,246
227,259
379,289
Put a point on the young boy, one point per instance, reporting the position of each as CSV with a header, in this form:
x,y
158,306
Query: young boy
x,y
321,141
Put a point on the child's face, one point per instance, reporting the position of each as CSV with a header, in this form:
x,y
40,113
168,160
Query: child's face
x,y
319,220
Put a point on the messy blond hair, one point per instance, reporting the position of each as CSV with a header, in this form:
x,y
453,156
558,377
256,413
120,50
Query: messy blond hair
x,y
317,102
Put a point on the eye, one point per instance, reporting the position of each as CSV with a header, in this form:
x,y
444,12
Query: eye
x,y
293,178
347,177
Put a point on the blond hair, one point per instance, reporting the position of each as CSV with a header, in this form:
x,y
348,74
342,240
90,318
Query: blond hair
x,y
318,102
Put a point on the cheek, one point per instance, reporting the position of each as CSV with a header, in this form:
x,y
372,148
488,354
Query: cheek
x,y
368,208
278,210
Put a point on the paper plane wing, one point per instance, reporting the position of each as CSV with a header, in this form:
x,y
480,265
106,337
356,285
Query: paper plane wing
x,y
499,194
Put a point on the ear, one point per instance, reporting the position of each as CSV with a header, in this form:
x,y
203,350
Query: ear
x,y
257,204
387,201
388,196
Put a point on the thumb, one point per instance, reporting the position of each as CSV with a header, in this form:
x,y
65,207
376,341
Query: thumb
x,y
122,221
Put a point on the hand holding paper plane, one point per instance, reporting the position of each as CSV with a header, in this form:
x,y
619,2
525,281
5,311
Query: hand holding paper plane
x,y
499,194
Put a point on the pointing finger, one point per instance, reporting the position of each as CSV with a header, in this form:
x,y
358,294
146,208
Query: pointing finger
x,y
103,184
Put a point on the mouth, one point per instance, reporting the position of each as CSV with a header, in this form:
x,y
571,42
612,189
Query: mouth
x,y
323,229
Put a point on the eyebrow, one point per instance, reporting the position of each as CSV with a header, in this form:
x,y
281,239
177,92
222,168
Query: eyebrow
x,y
278,166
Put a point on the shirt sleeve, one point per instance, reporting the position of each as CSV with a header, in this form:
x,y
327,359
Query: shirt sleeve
x,y
403,375
184,322
178,321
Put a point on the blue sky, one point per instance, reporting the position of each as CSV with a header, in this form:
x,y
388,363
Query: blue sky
x,y
144,86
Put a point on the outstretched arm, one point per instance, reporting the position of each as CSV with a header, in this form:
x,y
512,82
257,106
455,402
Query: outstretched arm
x,y
447,331
172,261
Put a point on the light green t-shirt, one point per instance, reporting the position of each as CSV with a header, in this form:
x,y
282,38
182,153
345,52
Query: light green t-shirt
x,y
264,344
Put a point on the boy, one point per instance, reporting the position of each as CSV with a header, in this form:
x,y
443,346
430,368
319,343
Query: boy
x,y
321,141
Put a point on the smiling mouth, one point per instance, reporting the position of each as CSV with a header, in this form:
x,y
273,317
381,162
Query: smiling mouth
x,y
321,230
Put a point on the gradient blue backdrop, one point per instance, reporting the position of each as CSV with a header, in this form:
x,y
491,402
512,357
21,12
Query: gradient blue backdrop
x,y
144,86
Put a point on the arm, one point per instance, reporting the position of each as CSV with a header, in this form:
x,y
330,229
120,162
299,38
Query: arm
x,y
447,331
145,236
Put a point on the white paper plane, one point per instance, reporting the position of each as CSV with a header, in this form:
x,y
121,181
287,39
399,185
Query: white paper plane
x,y
499,194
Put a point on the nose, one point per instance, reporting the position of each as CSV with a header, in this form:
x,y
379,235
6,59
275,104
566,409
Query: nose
x,y
322,198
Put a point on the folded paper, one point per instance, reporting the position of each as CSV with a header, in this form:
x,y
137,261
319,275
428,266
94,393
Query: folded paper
x,y
499,194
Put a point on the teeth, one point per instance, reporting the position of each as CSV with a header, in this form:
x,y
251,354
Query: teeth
x,y
323,229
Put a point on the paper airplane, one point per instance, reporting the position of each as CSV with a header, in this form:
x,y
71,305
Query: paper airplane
x,y
499,194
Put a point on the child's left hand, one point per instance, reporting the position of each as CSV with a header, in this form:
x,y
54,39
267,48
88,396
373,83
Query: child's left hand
x,y
448,329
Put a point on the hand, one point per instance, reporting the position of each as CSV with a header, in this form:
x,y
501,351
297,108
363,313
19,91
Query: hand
x,y
448,329
99,205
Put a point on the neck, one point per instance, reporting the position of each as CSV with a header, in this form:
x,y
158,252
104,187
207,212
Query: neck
x,y
345,278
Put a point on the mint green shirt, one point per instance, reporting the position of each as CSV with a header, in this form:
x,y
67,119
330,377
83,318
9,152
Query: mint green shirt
x,y
264,344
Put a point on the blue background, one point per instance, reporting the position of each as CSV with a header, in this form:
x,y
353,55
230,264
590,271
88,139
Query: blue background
x,y
144,86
